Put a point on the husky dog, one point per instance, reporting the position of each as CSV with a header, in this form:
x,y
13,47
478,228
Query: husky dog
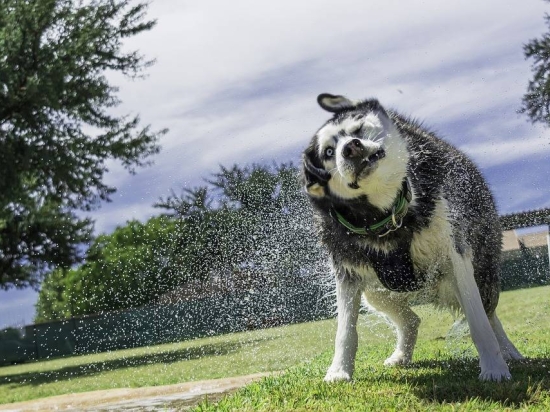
x,y
404,215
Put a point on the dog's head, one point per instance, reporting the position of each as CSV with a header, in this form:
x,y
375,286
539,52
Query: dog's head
x,y
358,152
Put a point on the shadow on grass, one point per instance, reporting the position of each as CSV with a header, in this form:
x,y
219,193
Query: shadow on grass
x,y
455,380
94,368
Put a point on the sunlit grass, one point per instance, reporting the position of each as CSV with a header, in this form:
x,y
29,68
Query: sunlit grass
x,y
208,358
442,377
439,371
430,384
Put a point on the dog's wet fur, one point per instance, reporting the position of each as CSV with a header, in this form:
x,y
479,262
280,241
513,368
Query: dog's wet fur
x,y
448,243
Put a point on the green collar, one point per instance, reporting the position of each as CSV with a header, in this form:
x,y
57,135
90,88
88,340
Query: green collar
x,y
387,225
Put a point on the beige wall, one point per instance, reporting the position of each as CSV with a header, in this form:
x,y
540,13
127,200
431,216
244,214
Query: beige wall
x,y
510,239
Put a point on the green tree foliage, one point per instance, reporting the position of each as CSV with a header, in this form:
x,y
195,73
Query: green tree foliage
x,y
56,126
536,102
272,238
250,227
525,219
127,268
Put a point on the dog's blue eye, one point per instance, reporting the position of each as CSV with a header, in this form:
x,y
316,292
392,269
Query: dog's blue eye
x,y
329,152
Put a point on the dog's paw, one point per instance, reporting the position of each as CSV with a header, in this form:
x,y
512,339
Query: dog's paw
x,y
494,369
495,375
512,353
336,376
398,358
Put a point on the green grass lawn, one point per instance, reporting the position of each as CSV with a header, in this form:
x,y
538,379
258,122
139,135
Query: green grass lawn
x,y
443,374
208,358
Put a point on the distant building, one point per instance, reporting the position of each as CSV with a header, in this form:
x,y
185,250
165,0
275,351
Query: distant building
x,y
511,240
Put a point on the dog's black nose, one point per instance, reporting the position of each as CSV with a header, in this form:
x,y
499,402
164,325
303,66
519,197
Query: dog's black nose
x,y
353,148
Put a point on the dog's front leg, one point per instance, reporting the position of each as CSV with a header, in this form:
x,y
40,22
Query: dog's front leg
x,y
493,366
348,297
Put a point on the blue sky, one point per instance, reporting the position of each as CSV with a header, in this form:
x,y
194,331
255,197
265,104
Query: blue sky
x,y
236,82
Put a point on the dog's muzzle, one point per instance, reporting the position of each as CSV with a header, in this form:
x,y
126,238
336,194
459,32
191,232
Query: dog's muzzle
x,y
375,157
359,157
353,149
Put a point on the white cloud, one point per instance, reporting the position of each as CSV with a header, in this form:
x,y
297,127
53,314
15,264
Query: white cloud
x,y
237,81
492,154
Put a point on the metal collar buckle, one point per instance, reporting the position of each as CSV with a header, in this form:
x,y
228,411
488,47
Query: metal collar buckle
x,y
395,223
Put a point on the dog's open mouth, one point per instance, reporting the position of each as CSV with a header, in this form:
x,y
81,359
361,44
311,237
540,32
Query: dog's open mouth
x,y
371,161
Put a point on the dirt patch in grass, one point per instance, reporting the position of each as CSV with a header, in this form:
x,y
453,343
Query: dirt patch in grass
x,y
170,397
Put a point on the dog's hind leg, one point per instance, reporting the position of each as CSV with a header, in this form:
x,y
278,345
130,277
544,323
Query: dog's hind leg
x,y
397,309
507,348
493,366
348,299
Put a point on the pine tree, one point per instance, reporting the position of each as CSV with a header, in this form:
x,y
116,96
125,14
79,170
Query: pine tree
x,y
536,102
56,126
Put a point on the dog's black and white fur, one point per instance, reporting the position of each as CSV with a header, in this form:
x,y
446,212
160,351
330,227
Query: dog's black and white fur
x,y
445,249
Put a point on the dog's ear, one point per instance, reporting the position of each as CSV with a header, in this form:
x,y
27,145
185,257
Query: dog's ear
x,y
336,104
316,177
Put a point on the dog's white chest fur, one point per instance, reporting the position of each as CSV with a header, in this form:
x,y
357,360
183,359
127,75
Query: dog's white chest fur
x,y
429,252
430,247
